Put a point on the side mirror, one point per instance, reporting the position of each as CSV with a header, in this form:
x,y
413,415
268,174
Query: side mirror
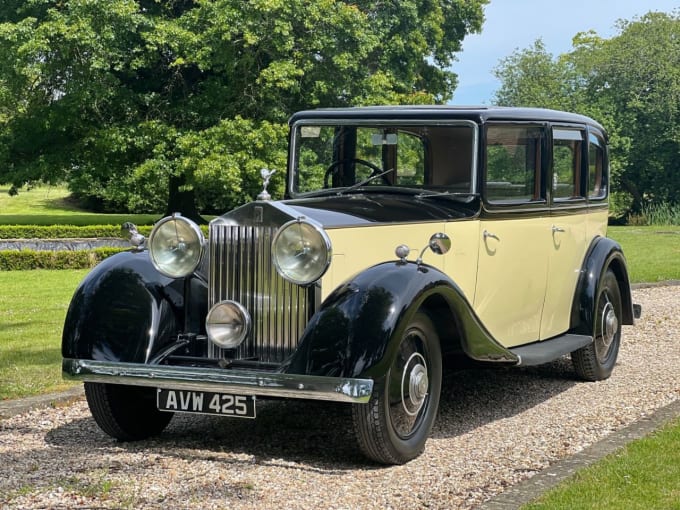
x,y
440,243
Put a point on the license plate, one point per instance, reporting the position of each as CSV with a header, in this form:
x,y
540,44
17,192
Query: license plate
x,y
206,402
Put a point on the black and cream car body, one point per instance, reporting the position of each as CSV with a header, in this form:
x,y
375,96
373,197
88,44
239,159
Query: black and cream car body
x,y
407,236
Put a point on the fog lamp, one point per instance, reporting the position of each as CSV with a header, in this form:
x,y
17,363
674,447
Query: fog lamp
x,y
227,324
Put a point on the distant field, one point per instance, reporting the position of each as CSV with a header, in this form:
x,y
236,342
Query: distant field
x,y
49,205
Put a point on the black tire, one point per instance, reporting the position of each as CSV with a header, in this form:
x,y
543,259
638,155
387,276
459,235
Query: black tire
x,y
596,361
394,426
127,413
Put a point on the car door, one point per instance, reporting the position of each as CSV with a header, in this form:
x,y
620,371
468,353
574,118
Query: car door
x,y
514,234
569,220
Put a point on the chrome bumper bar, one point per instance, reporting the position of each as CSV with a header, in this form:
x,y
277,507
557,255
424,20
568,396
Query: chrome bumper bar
x,y
241,382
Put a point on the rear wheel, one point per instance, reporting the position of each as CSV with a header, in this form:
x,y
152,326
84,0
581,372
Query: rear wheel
x,y
596,361
394,426
127,413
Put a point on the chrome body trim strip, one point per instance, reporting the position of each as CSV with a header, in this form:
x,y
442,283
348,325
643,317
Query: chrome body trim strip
x,y
242,382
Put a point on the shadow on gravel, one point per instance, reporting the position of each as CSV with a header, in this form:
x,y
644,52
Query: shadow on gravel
x,y
474,397
317,436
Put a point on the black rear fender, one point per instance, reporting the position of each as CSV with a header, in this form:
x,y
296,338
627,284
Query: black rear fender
x,y
603,254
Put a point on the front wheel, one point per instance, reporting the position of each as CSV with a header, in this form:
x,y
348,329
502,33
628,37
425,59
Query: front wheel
x,y
127,413
596,361
395,424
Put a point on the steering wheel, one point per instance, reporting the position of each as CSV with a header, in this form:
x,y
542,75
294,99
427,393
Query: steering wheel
x,y
332,168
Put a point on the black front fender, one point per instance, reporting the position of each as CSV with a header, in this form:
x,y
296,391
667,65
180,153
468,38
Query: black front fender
x,y
124,310
357,330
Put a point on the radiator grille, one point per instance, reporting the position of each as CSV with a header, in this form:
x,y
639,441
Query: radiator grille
x,y
241,270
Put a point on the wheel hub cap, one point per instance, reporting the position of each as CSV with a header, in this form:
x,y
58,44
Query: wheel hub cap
x,y
610,324
415,383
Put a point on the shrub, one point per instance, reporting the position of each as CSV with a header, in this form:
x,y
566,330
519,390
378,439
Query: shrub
x,y
63,231
14,260
70,231
661,214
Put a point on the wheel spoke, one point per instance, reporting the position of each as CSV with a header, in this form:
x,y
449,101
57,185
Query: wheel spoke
x,y
409,386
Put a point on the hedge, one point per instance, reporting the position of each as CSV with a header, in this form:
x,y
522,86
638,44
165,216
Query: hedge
x,y
70,231
62,259
64,231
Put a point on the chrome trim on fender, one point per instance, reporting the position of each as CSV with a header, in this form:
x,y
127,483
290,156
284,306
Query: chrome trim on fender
x,y
242,382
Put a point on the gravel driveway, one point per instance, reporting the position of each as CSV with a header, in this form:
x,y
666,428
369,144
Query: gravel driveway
x,y
495,428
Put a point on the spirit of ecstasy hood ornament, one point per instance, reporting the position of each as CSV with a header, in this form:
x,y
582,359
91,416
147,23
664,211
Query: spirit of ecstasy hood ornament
x,y
266,175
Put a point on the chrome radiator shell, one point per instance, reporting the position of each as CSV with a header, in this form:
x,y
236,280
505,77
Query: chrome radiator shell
x,y
241,269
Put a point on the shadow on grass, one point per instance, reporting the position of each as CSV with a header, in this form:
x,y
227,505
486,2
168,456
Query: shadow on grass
x,y
10,326
31,357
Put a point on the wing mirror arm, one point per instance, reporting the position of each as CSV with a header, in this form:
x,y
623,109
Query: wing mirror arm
x,y
439,243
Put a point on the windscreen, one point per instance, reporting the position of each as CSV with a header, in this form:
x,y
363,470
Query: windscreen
x,y
375,156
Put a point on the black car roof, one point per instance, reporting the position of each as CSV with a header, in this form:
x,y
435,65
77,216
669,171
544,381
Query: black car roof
x,y
443,112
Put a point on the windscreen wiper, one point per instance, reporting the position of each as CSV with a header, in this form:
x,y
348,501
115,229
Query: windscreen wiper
x,y
365,181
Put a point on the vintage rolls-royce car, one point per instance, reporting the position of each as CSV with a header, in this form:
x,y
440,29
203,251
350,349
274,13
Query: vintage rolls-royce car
x,y
407,236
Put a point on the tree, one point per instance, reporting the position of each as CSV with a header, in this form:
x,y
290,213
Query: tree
x,y
630,83
120,98
532,77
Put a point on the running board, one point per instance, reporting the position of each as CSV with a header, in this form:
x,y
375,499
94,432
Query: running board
x,y
549,350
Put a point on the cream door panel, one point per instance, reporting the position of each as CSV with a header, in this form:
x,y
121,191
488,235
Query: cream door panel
x,y
511,278
596,224
461,261
567,250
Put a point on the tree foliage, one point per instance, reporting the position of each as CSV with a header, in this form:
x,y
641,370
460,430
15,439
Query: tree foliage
x,y
117,97
630,83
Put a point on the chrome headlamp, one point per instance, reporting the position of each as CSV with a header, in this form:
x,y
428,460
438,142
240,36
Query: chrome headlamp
x,y
301,252
176,246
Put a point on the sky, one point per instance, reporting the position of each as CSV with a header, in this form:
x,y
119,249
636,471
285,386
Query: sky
x,y
515,24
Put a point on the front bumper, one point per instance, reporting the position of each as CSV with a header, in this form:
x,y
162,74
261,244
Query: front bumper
x,y
241,382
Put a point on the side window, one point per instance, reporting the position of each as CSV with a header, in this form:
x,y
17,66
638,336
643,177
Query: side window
x,y
513,160
597,172
567,161
410,160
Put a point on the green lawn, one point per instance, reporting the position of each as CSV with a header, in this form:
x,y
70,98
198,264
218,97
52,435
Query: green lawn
x,y
644,475
33,305
39,200
49,205
652,253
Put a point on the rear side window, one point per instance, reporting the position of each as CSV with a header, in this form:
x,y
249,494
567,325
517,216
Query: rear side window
x,y
513,160
567,163
597,168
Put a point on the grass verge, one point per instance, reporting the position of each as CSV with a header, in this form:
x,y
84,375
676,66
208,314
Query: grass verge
x,y
652,253
33,305
644,475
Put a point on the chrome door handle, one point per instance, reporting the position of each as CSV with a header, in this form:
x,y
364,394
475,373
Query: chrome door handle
x,y
488,234
557,229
